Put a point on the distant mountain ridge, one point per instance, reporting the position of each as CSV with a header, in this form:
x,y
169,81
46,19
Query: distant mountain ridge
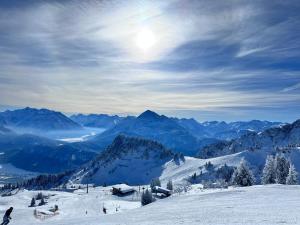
x,y
222,130
271,138
38,119
96,120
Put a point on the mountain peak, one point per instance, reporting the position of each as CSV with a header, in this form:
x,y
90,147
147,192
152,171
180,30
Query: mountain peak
x,y
140,159
148,114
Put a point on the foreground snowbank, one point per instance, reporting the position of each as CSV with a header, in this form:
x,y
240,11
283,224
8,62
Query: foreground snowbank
x,y
273,204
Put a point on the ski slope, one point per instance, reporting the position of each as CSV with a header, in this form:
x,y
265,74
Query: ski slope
x,y
267,205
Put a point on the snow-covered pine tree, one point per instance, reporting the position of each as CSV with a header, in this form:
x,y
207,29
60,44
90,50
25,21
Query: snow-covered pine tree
x,y
155,182
292,177
269,174
147,198
281,169
243,176
170,185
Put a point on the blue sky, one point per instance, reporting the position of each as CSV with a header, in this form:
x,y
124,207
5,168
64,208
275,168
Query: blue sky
x,y
211,60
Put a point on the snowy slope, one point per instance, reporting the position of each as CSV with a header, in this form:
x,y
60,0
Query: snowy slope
x,y
256,160
264,205
136,161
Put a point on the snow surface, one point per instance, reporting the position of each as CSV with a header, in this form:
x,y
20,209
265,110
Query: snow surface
x,y
267,205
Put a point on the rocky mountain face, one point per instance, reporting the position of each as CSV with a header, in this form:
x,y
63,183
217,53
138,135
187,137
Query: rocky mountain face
x,y
272,138
128,160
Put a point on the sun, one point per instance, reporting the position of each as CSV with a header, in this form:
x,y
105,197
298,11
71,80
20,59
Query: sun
x,y
145,39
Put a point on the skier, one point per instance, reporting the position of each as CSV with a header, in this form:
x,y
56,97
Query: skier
x,y
104,210
6,217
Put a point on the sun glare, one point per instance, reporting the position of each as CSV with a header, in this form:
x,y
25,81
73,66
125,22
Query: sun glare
x,y
145,39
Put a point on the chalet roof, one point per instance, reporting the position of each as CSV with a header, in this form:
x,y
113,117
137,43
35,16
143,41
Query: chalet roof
x,y
124,188
162,190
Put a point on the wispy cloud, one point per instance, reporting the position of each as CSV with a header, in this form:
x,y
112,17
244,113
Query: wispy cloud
x,y
208,56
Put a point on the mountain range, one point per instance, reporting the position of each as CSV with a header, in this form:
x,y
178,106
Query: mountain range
x,y
135,160
30,119
222,130
272,138
181,135
33,152
156,127
96,120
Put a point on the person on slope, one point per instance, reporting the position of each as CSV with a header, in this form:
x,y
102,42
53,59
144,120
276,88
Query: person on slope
x,y
6,217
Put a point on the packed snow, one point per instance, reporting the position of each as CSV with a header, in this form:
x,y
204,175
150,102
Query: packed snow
x,y
270,204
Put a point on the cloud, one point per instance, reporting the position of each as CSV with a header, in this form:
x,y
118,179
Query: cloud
x,y
246,52
208,56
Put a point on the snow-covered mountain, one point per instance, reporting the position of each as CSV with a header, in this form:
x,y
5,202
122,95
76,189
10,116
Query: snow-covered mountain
x,y
96,120
29,119
283,136
136,161
127,160
156,127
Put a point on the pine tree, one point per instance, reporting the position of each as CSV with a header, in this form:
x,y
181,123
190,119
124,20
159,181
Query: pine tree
x,y
182,158
42,202
225,172
170,185
292,177
281,169
155,182
269,175
147,198
243,176
39,196
32,203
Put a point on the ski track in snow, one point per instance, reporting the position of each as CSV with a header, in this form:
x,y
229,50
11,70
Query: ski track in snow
x,y
266,205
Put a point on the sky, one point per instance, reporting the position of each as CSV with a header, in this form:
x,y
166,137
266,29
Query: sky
x,y
211,60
